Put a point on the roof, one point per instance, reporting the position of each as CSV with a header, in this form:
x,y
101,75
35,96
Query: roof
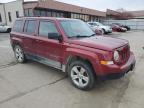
x,y
46,18
111,12
139,13
56,5
30,4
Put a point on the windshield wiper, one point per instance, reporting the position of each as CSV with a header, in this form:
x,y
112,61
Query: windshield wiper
x,y
82,36
92,35
78,36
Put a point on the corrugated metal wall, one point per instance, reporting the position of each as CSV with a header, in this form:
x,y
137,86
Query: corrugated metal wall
x,y
135,24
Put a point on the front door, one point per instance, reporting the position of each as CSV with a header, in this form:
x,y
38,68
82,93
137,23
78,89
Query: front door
x,y
49,48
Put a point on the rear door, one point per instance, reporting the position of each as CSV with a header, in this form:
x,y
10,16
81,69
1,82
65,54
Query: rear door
x,y
29,36
49,49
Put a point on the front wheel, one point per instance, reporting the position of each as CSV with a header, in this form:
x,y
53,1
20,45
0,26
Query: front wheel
x,y
81,75
19,54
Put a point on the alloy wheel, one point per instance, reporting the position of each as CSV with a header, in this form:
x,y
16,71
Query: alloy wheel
x,y
79,76
19,54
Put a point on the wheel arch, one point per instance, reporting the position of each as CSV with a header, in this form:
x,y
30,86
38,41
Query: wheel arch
x,y
85,58
15,44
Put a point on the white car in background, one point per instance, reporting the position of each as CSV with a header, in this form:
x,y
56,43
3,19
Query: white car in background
x,y
5,28
106,29
97,30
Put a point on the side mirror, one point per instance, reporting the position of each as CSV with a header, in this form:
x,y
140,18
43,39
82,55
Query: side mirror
x,y
55,36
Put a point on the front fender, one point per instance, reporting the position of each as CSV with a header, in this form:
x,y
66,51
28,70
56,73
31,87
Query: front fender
x,y
86,55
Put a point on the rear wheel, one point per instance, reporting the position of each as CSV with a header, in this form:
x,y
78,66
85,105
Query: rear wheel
x,y
103,31
19,54
8,30
81,75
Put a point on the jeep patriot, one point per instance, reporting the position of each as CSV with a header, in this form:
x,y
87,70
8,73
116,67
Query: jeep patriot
x,y
71,46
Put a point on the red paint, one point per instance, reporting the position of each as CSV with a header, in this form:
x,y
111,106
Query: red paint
x,y
93,49
117,28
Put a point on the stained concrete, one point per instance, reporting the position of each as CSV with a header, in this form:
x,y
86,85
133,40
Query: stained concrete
x,y
33,85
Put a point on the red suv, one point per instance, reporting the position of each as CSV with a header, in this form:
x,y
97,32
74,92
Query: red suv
x,y
71,46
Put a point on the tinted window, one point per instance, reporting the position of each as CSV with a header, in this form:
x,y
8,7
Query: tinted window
x,y
49,14
17,14
0,18
37,12
18,26
9,16
30,26
30,12
26,12
47,27
43,13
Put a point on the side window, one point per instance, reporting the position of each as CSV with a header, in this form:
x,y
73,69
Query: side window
x,y
47,29
30,26
91,23
18,26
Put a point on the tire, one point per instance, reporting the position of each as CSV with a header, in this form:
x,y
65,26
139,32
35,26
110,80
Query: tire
x,y
103,30
19,54
81,75
8,30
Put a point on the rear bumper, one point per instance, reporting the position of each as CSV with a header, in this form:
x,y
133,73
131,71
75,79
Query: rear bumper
x,y
115,71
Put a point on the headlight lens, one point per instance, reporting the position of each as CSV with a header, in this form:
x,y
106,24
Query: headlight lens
x,y
116,56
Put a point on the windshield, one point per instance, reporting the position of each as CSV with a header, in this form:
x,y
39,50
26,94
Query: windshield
x,y
100,24
76,28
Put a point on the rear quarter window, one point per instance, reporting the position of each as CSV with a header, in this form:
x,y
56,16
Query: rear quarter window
x,y
18,26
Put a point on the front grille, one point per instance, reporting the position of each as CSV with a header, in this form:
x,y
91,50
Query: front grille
x,y
124,53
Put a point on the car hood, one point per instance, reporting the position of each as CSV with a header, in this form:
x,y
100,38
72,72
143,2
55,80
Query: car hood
x,y
96,28
100,42
106,27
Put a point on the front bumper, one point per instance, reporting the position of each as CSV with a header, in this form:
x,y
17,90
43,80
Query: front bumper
x,y
115,71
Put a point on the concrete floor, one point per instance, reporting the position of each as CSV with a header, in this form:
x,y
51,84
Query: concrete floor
x,y
33,85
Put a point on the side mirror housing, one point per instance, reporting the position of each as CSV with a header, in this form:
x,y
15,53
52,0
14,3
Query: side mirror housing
x,y
55,36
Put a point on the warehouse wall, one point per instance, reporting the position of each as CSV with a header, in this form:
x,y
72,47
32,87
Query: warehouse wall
x,y
2,14
12,8
135,24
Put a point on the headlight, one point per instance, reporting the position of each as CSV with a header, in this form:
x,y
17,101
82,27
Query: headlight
x,y
116,56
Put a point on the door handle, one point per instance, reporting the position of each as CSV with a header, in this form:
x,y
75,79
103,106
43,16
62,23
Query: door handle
x,y
38,41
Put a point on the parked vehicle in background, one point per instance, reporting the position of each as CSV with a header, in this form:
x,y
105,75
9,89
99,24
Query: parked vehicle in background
x,y
5,28
106,29
71,46
124,26
117,28
97,30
